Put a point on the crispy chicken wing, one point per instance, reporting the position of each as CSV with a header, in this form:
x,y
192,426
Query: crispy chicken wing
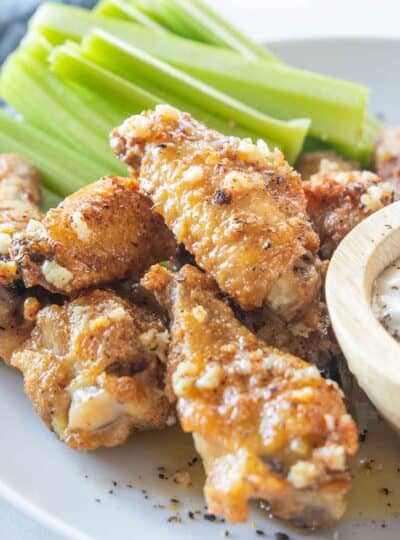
x,y
338,201
19,196
312,163
94,370
387,158
103,232
265,423
237,207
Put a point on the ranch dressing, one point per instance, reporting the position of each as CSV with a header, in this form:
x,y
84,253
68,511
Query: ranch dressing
x,y
386,299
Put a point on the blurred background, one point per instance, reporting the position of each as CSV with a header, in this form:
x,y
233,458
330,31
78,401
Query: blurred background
x,y
13,17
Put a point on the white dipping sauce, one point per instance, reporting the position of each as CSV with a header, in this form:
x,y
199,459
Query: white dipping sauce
x,y
386,299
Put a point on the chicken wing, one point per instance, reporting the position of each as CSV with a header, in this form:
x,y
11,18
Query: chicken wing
x,y
312,163
338,201
266,424
94,370
103,232
387,158
19,196
237,207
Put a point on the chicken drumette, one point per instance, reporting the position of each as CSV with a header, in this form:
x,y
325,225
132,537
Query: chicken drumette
x,y
266,424
94,369
103,232
237,207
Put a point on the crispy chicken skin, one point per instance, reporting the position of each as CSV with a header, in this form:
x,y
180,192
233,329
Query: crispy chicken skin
x,y
103,232
266,424
19,196
237,207
387,158
312,163
94,370
338,201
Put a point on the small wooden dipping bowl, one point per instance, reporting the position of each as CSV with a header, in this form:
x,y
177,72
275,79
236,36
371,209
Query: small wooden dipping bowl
x,y
372,354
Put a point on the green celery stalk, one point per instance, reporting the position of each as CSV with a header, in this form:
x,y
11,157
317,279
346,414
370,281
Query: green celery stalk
x,y
126,11
337,108
198,21
63,170
46,93
101,47
69,63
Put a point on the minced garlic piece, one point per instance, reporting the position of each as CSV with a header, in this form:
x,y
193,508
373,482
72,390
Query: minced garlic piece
x,y
55,274
184,377
35,229
199,313
333,457
303,395
247,151
303,474
211,377
31,308
5,243
193,174
377,196
167,112
306,374
8,270
80,226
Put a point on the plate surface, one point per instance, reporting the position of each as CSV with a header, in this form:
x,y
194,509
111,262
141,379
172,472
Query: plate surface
x,y
119,494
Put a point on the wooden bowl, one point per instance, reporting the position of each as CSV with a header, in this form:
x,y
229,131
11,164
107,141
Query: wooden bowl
x,y
372,354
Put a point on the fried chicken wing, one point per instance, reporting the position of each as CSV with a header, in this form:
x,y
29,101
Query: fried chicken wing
x,y
266,424
312,163
94,370
19,196
387,158
338,201
237,207
103,232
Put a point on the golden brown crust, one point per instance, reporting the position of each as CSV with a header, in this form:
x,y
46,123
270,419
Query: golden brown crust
x,y
338,201
266,424
237,207
103,232
93,370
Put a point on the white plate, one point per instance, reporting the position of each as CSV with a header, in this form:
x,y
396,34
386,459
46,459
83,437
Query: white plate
x,y
59,487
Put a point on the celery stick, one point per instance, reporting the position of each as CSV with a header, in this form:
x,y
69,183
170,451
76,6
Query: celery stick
x,y
336,108
197,21
136,63
44,92
63,170
126,11
68,62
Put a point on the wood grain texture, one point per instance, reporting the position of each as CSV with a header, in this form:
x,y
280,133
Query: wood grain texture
x,y
372,354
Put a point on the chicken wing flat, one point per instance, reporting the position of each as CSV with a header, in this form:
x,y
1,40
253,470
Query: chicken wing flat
x,y
237,207
94,370
312,163
103,232
266,424
19,196
387,158
338,201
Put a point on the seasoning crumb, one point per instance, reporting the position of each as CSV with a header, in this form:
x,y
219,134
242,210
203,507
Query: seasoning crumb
x,y
174,501
260,532
226,534
129,486
115,484
191,514
384,491
86,476
98,500
111,491
174,519
210,517
281,536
